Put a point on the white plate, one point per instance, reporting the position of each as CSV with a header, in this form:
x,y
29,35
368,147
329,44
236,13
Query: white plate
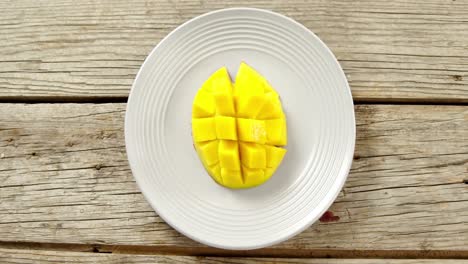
x,y
320,117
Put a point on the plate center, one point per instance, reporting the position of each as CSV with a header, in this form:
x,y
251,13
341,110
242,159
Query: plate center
x,y
298,104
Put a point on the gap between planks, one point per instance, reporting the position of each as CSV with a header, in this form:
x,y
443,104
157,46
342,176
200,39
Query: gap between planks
x,y
124,99
215,252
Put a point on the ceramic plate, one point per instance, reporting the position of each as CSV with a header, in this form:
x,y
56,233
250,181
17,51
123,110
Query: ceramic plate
x,y
320,117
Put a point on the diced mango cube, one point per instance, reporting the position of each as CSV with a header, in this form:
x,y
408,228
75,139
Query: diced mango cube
x,y
221,82
215,172
203,129
248,81
252,177
226,127
251,130
253,156
208,150
232,178
271,109
276,132
274,156
224,104
268,88
221,87
269,172
229,155
250,105
207,85
214,80
203,105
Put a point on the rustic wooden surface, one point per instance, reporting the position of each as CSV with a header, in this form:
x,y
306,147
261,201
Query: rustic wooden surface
x,y
68,195
412,51
65,178
8,256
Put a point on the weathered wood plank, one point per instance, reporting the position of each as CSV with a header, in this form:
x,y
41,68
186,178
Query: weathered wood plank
x,y
390,50
64,178
18,256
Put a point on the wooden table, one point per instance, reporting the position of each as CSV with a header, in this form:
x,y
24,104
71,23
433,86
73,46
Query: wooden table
x,y
67,193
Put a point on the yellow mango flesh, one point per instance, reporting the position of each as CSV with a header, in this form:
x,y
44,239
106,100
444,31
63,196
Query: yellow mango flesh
x,y
251,130
226,127
203,105
239,130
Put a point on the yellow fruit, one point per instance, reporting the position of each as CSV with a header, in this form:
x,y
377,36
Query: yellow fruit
x,y
221,87
271,108
274,156
229,155
203,129
208,151
238,129
226,127
224,104
249,106
268,89
276,132
248,81
253,156
203,105
268,173
232,178
253,177
251,130
215,172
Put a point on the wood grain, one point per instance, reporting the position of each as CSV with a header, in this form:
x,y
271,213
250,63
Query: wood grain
x,y
64,178
10,256
391,51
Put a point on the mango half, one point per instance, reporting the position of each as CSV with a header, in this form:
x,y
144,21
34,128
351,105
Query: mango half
x,y
239,129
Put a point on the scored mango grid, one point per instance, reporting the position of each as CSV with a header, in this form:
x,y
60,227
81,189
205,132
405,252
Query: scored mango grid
x,y
224,113
255,136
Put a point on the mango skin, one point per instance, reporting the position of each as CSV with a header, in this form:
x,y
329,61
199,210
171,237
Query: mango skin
x,y
239,130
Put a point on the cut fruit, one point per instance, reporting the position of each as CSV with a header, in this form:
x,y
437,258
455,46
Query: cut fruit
x,y
268,173
226,127
203,105
248,81
271,109
253,177
238,128
232,178
221,81
222,91
276,132
229,155
268,89
250,105
224,104
253,156
203,129
208,151
251,130
215,173
274,156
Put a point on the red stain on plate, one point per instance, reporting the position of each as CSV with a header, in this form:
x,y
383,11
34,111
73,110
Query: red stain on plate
x,y
328,216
